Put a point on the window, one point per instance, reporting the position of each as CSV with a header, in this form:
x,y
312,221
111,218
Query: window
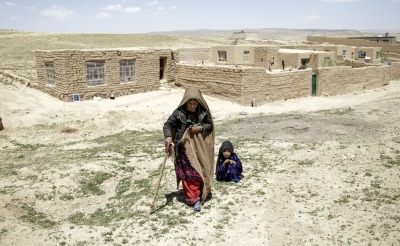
x,y
95,73
327,62
304,63
51,74
246,56
222,56
126,71
361,54
344,53
377,54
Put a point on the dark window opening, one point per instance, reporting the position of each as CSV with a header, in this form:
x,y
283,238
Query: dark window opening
x,y
362,54
222,56
304,63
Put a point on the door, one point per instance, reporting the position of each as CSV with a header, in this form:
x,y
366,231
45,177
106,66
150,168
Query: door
x,y
314,85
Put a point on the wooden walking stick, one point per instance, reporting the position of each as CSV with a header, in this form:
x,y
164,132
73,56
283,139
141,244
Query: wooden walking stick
x,y
159,180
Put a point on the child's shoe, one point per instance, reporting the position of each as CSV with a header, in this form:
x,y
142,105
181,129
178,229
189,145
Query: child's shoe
x,y
197,206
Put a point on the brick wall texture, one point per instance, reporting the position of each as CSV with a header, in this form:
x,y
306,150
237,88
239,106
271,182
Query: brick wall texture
x,y
345,79
241,85
70,71
395,71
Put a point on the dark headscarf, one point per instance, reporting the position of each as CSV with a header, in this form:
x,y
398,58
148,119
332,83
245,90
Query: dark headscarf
x,y
226,145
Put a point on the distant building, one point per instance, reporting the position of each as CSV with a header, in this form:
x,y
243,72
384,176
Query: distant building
x,y
383,39
242,35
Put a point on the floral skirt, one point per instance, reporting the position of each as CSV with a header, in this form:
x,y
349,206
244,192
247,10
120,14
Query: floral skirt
x,y
184,169
192,182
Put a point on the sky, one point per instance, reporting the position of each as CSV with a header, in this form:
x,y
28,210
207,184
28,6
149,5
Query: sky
x,y
144,16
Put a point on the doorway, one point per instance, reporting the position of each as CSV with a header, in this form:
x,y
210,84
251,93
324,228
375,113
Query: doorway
x,y
163,62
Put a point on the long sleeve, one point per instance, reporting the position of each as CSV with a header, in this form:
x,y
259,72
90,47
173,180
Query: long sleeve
x,y
206,123
221,171
170,124
238,165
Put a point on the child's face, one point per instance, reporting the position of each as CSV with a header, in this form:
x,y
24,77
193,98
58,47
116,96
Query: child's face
x,y
226,153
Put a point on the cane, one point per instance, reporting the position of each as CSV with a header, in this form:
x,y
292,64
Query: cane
x,y
159,180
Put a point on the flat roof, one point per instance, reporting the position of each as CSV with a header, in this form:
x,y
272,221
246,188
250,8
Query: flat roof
x,y
295,51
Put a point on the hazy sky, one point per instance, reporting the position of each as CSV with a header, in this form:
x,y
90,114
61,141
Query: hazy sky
x,y
141,16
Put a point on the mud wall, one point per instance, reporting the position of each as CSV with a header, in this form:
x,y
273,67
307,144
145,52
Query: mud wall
x,y
395,71
345,79
70,72
241,85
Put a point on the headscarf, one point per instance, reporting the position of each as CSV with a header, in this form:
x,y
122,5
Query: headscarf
x,y
226,145
194,93
200,147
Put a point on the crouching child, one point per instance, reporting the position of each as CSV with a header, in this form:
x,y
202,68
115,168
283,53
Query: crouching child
x,y
228,167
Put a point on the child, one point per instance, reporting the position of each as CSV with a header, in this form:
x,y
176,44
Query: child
x,y
229,166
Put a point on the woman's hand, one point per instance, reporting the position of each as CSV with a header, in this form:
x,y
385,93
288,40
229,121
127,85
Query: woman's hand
x,y
168,143
196,128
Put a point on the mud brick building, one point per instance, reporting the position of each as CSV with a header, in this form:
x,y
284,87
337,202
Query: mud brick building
x,y
238,73
102,73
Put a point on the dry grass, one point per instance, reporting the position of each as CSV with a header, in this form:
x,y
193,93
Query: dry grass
x,y
309,179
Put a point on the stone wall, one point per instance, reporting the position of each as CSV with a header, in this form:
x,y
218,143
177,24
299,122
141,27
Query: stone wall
x,y
345,79
221,82
70,71
355,64
241,85
395,71
16,77
267,87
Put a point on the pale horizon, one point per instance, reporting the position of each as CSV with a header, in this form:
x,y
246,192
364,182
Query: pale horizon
x,y
146,16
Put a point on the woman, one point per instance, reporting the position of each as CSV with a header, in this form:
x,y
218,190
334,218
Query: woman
x,y
190,132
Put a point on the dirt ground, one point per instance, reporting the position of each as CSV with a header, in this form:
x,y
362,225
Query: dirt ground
x,y
318,171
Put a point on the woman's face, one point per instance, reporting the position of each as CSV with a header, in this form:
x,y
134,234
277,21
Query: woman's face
x,y
192,105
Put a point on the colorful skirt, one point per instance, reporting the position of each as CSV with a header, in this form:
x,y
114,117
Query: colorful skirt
x,y
192,182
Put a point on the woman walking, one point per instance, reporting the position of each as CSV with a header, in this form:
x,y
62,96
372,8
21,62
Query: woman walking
x,y
190,132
